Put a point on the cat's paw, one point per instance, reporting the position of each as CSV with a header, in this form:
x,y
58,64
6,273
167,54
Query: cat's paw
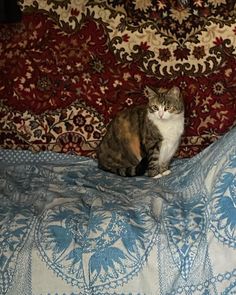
x,y
166,172
152,173
158,175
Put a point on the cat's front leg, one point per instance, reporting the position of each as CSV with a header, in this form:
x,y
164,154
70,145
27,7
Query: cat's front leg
x,y
152,172
167,151
156,171
153,162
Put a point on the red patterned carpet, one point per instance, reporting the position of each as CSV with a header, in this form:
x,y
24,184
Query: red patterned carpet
x,y
68,68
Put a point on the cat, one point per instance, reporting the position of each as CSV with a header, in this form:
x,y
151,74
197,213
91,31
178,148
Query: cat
x,y
144,139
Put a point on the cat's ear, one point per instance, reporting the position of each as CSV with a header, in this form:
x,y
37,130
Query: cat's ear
x,y
149,92
174,92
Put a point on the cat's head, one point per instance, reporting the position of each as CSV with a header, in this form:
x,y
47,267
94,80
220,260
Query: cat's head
x,y
164,103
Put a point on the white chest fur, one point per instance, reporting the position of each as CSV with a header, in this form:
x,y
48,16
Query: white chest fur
x,y
171,130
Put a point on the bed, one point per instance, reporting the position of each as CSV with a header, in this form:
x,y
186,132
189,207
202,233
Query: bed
x,y
67,228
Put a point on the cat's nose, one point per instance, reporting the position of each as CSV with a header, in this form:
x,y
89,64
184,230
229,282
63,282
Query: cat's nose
x,y
160,113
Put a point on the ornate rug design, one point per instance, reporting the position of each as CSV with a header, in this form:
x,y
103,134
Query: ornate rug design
x,y
70,66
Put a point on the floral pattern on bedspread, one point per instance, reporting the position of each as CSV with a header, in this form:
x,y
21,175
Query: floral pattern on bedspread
x,y
67,227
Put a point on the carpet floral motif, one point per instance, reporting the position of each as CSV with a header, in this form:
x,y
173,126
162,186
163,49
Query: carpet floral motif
x,y
70,66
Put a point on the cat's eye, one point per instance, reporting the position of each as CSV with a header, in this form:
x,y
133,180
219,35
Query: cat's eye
x,y
155,108
168,108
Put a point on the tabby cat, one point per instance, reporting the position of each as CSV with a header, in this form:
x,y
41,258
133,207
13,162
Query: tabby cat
x,y
144,138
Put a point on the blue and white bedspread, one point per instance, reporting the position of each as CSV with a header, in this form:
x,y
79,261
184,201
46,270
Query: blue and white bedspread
x,y
68,228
